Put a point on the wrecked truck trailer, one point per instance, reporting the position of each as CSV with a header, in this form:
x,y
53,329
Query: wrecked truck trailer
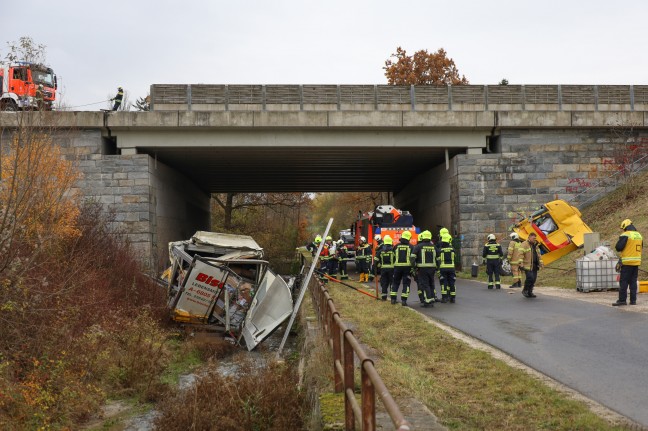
x,y
220,282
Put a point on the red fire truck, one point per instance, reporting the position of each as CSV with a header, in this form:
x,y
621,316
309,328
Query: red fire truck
x,y
26,86
384,220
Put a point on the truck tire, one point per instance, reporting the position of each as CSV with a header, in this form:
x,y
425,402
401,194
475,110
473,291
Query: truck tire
x,y
8,105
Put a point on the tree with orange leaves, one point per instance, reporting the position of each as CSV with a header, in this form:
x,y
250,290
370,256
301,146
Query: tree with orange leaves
x,y
37,205
422,68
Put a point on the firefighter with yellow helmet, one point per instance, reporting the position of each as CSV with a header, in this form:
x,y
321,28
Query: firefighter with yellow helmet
x,y
629,246
402,266
424,254
385,264
446,265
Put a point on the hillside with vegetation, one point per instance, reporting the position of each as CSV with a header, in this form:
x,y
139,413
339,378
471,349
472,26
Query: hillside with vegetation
x,y
604,216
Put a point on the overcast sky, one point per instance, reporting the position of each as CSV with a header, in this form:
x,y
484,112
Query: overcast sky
x,y
95,46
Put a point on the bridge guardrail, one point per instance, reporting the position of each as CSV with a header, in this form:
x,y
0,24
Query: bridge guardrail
x,y
399,97
346,349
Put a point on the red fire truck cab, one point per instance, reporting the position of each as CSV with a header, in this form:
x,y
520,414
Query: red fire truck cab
x,y
384,220
27,86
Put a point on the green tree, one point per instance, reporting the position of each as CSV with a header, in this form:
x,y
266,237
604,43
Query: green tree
x,y
422,68
26,49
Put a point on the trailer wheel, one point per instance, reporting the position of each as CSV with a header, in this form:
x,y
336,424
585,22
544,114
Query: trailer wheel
x,y
9,105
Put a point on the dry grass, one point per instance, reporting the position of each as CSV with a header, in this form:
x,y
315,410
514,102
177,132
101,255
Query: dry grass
x,y
254,398
464,387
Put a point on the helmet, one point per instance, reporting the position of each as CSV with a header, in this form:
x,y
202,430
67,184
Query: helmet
x,y
318,239
328,238
425,235
514,235
377,237
443,231
363,239
119,88
388,240
491,237
406,235
340,242
446,237
625,223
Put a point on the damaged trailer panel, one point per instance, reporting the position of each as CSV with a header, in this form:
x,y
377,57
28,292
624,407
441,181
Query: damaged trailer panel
x,y
218,281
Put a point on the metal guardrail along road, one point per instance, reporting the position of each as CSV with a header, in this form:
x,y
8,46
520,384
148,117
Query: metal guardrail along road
x,y
345,349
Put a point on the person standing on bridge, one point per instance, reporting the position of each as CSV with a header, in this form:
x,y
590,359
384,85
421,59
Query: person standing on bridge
x,y
118,99
492,256
385,264
531,263
513,256
402,265
629,246
424,254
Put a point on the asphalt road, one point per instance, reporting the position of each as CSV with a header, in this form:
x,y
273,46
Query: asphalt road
x,y
599,351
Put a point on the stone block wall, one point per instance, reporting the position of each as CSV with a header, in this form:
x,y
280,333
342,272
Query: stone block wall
x,y
150,203
533,167
121,183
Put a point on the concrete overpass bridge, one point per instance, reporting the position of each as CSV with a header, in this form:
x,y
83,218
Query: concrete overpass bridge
x,y
467,157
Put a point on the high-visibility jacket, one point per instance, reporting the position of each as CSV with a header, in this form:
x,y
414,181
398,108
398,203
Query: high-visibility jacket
x,y
385,256
363,252
492,251
446,256
342,252
631,253
513,253
424,254
402,254
326,252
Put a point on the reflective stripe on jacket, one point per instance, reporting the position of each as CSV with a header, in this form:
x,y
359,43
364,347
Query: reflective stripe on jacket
x,y
446,257
631,253
424,254
492,251
513,253
402,254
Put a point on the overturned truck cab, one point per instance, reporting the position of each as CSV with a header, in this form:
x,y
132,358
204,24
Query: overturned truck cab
x,y
219,281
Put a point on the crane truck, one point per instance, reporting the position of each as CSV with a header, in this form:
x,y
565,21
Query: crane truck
x,y
384,220
27,86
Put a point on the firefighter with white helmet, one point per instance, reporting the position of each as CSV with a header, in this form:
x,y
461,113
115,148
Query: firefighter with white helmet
x,y
342,253
629,246
492,257
363,259
514,258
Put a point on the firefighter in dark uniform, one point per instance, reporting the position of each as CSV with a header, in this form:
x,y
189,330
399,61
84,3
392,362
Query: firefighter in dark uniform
x,y
118,99
342,253
402,267
363,259
629,246
325,257
492,257
313,246
373,270
424,254
446,265
385,264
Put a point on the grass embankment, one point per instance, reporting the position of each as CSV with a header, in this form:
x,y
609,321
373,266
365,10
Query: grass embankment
x,y
603,216
466,388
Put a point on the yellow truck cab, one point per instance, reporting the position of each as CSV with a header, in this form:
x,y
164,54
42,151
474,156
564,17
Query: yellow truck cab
x,y
558,227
